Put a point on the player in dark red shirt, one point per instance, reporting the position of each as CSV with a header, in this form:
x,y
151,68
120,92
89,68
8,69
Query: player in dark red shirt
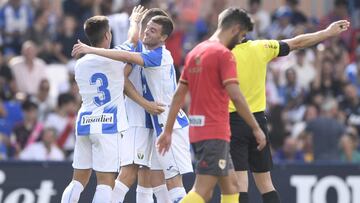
x,y
210,77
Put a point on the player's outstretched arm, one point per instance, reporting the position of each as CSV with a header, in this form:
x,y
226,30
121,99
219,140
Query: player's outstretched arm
x,y
119,55
306,40
153,108
164,142
243,110
135,18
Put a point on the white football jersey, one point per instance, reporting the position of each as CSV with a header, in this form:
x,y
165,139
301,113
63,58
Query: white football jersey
x,y
101,86
159,84
137,116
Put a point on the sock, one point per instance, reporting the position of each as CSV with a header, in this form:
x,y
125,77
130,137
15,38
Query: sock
x,y
144,195
192,197
233,198
243,197
271,197
162,194
177,193
102,194
72,192
119,192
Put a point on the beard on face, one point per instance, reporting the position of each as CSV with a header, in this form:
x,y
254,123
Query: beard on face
x,y
234,41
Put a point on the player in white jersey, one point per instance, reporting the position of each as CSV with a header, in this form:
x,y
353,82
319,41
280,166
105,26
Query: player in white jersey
x,y
137,142
101,118
156,60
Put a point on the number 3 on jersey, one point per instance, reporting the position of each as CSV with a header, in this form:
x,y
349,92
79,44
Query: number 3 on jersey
x,y
105,98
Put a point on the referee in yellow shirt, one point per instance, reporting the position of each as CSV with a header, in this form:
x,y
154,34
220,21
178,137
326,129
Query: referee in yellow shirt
x,y
252,58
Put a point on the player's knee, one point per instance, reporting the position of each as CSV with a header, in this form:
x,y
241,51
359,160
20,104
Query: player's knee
x,y
174,182
265,186
128,174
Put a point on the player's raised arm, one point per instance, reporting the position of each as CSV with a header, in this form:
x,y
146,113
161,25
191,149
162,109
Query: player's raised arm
x,y
119,55
306,40
164,141
135,18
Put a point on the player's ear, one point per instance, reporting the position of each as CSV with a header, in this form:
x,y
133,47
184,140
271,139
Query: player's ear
x,y
164,37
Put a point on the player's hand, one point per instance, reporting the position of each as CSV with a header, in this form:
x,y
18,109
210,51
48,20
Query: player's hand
x,y
155,108
164,142
260,138
337,27
137,14
80,48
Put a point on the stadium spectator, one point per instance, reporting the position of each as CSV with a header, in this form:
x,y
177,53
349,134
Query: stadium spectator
x,y
63,120
7,81
43,100
289,152
28,70
305,71
44,150
325,132
16,17
349,143
29,130
261,18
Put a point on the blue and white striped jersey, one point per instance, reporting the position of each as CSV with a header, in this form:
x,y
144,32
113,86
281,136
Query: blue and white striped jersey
x,y
137,116
159,84
101,85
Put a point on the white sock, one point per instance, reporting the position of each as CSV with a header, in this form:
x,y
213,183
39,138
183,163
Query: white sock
x,y
162,194
144,195
177,194
102,194
72,192
119,192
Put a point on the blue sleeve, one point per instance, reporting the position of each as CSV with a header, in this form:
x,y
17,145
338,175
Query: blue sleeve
x,y
30,16
2,18
152,58
128,46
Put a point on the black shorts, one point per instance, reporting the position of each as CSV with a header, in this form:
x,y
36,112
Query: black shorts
x,y
243,145
212,157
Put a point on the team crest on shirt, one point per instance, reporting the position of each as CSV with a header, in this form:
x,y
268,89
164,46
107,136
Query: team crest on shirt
x,y
222,164
140,155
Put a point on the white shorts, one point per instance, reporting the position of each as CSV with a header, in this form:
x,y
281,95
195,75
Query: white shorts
x,y
178,159
136,146
100,152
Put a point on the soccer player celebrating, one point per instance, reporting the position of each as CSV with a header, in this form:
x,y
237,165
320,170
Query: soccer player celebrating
x,y
102,117
210,77
159,82
252,58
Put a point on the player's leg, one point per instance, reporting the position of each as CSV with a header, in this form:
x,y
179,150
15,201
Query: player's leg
x,y
144,191
202,190
260,163
176,162
82,165
106,162
239,150
105,183
229,187
144,145
212,162
158,180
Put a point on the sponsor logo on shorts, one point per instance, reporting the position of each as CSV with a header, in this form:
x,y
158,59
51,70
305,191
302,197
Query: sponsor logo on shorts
x,y
203,164
170,167
197,120
140,155
105,118
222,164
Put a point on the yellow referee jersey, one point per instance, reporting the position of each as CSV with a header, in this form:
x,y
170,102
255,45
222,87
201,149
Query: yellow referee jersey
x,y
251,62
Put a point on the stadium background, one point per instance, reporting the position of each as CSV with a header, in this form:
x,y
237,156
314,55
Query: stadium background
x,y
313,94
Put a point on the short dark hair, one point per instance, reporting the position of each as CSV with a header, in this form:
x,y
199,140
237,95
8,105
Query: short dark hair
x,y
150,14
28,105
235,16
95,29
65,98
165,22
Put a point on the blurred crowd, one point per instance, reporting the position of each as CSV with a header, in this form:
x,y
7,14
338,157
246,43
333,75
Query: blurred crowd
x,y
313,94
